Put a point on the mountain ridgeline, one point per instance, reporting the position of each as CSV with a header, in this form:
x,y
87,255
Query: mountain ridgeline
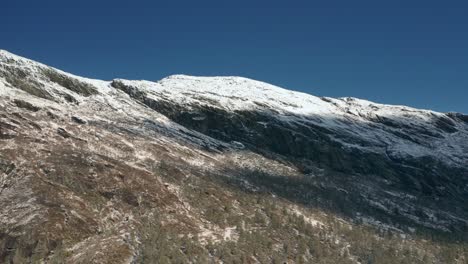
x,y
222,170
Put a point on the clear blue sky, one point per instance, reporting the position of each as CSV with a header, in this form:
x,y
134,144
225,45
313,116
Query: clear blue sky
x,y
398,52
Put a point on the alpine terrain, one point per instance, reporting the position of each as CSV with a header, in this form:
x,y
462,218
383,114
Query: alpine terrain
x,y
222,170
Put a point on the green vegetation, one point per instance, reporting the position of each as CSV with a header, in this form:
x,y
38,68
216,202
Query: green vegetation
x,y
269,231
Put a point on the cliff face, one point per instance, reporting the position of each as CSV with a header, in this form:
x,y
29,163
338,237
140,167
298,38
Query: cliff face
x,y
222,169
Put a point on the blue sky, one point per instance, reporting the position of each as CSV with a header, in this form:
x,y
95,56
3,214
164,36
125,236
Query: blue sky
x,y
398,52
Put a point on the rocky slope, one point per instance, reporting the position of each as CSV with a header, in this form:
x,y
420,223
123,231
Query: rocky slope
x,y
222,170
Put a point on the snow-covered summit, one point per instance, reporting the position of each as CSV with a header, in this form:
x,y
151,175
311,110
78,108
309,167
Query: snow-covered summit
x,y
5,53
234,93
396,131
239,93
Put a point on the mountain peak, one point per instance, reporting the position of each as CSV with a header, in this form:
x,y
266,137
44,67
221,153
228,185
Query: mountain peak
x,y
217,81
9,55
4,52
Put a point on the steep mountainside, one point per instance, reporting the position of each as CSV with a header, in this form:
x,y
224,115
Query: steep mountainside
x,y
222,170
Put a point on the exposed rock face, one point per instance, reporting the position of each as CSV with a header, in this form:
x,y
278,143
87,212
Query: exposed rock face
x,y
26,105
119,171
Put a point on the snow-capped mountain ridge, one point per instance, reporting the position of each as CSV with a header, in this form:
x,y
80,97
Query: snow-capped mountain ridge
x,y
354,123
245,88
355,117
